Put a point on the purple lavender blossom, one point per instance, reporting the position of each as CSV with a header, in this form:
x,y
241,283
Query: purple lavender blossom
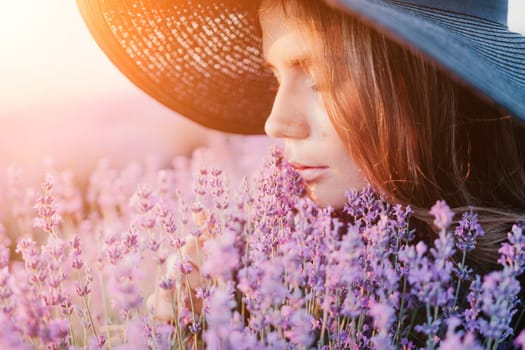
x,y
167,220
278,271
135,336
299,327
144,199
468,231
472,313
384,316
498,300
430,279
76,255
364,206
124,284
222,256
10,335
457,340
220,305
167,283
513,252
48,218
58,331
7,300
442,215
431,282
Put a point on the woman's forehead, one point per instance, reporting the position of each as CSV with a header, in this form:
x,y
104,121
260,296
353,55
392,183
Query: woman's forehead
x,y
282,39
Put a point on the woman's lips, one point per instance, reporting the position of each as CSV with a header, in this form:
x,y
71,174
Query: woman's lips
x,y
309,173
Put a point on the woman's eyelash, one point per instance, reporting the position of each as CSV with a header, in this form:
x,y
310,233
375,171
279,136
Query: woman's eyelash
x,y
298,63
305,65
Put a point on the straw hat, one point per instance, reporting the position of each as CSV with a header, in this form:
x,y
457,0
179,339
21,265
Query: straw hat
x,y
203,58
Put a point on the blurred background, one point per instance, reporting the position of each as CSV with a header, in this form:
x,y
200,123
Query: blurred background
x,y
62,101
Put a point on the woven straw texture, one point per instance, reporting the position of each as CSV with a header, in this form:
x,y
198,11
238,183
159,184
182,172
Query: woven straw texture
x,y
201,59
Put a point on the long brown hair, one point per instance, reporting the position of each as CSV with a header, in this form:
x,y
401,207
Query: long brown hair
x,y
417,135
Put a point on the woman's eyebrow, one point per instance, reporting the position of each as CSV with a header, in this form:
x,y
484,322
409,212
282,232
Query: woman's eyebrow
x,y
302,61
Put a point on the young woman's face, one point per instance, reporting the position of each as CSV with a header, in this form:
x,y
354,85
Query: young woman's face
x,y
298,116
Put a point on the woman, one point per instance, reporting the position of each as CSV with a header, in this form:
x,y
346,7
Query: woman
x,y
424,101
403,125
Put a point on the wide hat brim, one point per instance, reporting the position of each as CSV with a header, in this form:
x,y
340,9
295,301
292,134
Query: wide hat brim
x,y
203,59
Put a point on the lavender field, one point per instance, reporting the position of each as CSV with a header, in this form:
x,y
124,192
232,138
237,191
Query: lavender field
x,y
226,252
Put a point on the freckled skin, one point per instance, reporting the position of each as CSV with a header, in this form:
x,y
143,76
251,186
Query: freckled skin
x,y
298,115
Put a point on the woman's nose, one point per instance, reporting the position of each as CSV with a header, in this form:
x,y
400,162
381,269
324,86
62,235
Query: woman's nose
x,y
288,118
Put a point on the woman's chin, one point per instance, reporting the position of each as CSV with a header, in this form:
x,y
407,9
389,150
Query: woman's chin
x,y
326,197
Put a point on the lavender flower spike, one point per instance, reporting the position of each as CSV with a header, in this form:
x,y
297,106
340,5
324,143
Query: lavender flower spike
x,y
457,340
442,215
468,231
513,252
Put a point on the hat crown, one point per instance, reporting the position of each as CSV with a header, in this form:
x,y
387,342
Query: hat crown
x,y
491,10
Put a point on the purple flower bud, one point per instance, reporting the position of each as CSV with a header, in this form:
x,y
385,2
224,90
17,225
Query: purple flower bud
x,y
11,336
383,315
154,244
177,243
131,239
66,307
167,283
168,223
147,221
442,215
53,297
75,243
101,340
83,289
497,302
216,172
455,340
202,293
222,256
144,199
185,267
58,330
299,330
114,253
196,207
48,219
468,231
195,327
513,252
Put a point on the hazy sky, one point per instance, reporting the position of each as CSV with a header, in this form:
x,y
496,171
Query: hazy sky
x,y
47,55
